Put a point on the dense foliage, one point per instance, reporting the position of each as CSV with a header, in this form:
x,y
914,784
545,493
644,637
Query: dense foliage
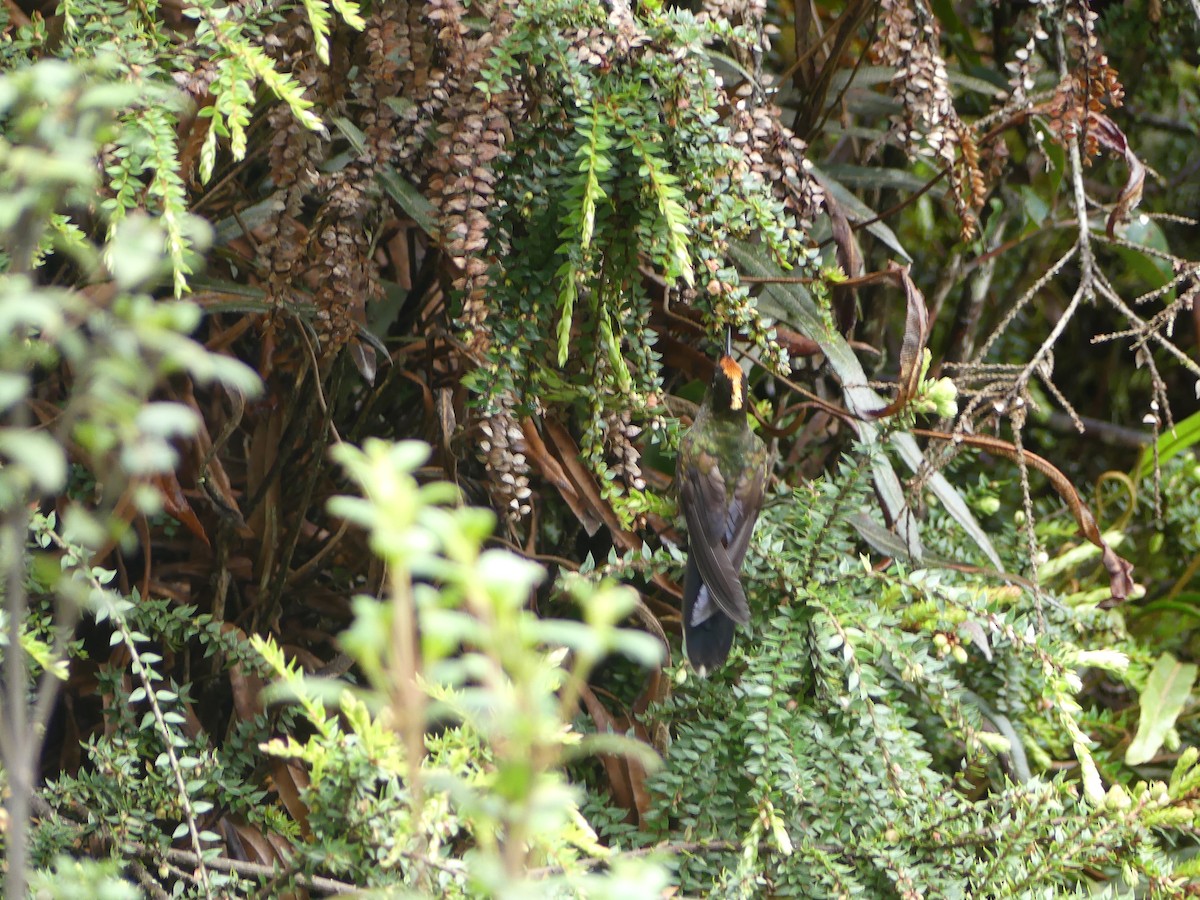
x,y
495,244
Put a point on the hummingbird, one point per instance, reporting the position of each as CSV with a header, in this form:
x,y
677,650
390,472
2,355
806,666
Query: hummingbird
x,y
720,473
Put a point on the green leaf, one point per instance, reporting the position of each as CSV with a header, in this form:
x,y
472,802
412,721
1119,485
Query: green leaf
x,y
1167,690
38,454
793,304
863,77
1171,443
1036,208
1151,268
567,295
411,200
618,745
135,253
876,177
978,85
318,18
351,133
167,420
13,388
857,211
350,11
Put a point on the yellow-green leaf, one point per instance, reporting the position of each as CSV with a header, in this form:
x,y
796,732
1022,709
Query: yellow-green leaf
x,y
1167,690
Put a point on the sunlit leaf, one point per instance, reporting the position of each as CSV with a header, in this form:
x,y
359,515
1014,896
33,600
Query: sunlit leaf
x,y
1162,700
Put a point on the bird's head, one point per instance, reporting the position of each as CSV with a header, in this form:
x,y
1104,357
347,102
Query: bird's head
x,y
729,387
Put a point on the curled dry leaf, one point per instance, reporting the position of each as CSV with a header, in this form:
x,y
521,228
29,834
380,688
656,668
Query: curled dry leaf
x,y
588,505
176,505
246,685
849,257
447,419
265,444
364,358
539,454
1120,573
578,489
263,848
1111,138
212,479
248,844
291,781
1066,114
585,485
654,626
916,333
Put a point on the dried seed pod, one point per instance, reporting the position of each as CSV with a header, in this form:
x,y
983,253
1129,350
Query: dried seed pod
x,y
503,456
929,124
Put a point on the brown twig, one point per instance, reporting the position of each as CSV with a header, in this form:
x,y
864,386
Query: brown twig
x,y
249,869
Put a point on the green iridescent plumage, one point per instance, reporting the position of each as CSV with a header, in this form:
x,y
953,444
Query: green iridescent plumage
x,y
720,474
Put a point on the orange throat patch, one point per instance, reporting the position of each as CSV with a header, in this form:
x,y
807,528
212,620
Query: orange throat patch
x,y
731,370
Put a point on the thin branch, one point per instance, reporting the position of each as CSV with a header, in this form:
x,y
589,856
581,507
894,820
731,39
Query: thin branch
x,y
1063,402
1039,232
897,207
1112,297
804,57
249,869
143,673
148,883
1086,291
1042,281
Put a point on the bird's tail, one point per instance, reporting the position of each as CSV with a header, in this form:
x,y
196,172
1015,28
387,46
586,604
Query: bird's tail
x,y
708,641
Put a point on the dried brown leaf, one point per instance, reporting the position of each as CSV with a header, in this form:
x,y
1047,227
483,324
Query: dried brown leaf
x,y
614,766
539,454
447,418
176,505
916,333
255,846
626,775
290,781
1111,138
849,257
246,687
585,484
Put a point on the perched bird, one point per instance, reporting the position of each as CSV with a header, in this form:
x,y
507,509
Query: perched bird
x,y
720,473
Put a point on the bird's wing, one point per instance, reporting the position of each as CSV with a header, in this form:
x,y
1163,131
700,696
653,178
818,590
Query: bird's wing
x,y
743,513
702,494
